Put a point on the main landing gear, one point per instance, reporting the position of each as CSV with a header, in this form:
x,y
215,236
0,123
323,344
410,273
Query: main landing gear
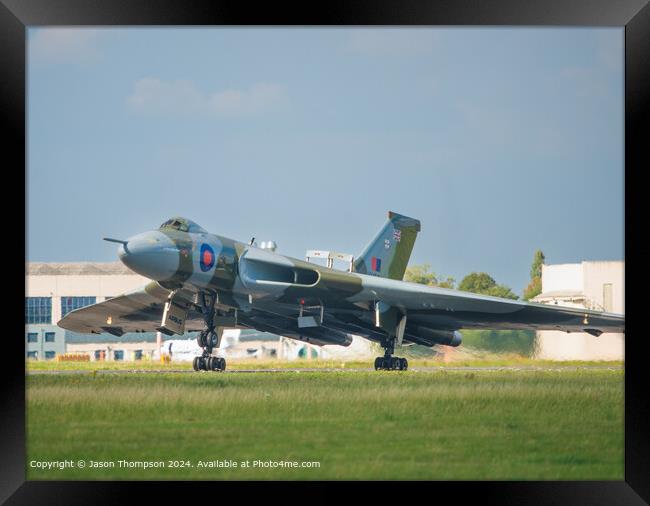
x,y
209,339
388,362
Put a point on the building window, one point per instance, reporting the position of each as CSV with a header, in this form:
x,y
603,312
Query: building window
x,y
49,337
118,355
137,355
70,303
38,310
100,354
49,355
32,354
32,337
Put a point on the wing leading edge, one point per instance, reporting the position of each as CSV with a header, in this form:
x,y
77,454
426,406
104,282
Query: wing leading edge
x,y
452,309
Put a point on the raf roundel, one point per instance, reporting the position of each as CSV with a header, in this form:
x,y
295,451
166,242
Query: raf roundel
x,y
207,257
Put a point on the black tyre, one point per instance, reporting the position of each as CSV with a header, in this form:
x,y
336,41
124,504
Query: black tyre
x,y
405,364
378,363
202,364
222,364
195,363
209,363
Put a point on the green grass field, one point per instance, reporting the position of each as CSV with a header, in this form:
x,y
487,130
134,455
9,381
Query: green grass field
x,y
482,360
441,424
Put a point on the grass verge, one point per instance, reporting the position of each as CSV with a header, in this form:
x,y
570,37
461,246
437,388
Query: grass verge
x,y
442,424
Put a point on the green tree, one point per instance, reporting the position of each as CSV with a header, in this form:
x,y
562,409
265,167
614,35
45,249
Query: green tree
x,y
521,342
481,282
421,274
534,288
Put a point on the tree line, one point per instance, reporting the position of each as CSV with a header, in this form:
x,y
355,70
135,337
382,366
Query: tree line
x,y
498,341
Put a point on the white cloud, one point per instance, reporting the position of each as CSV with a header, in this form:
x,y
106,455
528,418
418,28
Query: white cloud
x,y
63,45
259,97
152,95
156,96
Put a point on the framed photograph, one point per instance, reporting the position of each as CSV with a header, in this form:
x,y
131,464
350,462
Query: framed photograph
x,y
375,244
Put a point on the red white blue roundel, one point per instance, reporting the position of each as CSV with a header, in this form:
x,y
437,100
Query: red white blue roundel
x,y
206,258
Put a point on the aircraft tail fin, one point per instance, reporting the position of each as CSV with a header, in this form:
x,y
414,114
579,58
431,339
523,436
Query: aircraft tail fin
x,y
387,255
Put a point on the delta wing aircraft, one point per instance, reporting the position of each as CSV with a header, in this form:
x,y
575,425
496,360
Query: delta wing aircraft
x,y
205,282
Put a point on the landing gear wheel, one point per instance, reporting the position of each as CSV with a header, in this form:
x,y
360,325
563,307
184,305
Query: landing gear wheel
x,y
221,364
391,364
209,364
213,339
195,363
201,339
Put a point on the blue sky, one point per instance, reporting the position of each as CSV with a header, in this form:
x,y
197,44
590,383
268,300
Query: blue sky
x,y
500,141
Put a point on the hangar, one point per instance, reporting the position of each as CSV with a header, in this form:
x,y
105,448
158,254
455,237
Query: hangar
x,y
54,289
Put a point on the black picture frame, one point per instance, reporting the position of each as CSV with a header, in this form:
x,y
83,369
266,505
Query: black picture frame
x,y
634,15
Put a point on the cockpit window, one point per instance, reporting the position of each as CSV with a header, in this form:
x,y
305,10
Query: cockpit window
x,y
195,228
183,225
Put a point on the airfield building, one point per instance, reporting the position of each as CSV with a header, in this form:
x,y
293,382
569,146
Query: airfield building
x,y
54,289
592,285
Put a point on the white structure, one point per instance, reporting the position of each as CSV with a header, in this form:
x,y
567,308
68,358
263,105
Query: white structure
x,y
359,349
51,289
592,285
184,350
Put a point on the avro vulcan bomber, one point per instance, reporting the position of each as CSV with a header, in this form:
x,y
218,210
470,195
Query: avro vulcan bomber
x,y
206,283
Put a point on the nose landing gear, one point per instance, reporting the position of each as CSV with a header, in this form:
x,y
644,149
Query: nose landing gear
x,y
388,362
209,363
210,338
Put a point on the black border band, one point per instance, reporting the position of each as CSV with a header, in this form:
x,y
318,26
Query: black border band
x,y
633,14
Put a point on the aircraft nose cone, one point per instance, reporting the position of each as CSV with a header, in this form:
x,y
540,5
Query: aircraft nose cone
x,y
151,254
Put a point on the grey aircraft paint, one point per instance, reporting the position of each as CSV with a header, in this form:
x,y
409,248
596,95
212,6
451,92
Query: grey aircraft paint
x,y
256,288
